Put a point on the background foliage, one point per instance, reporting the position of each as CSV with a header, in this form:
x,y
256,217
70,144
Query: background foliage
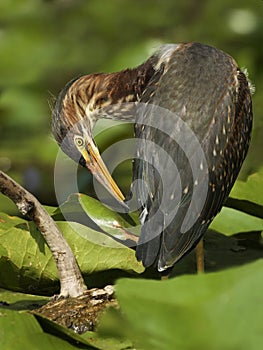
x,y
43,45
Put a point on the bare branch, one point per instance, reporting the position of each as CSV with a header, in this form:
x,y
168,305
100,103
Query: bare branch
x,y
71,281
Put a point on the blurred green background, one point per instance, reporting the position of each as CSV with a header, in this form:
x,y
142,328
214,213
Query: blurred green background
x,y
44,44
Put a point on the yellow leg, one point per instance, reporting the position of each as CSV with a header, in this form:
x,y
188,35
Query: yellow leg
x,y
200,257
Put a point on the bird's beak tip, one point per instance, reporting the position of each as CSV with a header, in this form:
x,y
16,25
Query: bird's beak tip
x,y
99,170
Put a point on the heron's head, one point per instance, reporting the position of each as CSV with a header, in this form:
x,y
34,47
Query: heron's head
x,y
79,105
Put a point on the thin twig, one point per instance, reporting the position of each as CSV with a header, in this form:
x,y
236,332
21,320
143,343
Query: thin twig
x,y
71,281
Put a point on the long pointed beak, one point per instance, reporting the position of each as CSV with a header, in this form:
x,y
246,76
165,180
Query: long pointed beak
x,y
97,167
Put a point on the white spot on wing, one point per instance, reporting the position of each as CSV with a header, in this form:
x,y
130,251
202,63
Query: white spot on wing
x,y
186,190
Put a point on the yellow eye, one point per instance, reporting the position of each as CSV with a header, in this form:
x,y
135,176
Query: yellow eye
x,y
79,141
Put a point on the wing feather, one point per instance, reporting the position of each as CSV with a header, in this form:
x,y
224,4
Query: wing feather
x,y
201,89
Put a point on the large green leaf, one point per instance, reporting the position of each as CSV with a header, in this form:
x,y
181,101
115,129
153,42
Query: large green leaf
x,y
211,311
230,221
26,263
96,251
251,190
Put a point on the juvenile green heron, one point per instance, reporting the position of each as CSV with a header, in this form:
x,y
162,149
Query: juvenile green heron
x,y
204,90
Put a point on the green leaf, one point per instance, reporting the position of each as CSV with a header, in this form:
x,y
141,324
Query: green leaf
x,y
96,251
7,221
26,263
251,190
110,221
210,311
51,210
107,343
13,313
244,207
21,301
88,338
115,224
230,221
61,331
20,330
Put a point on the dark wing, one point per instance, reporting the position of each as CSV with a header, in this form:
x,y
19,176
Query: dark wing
x,y
193,131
